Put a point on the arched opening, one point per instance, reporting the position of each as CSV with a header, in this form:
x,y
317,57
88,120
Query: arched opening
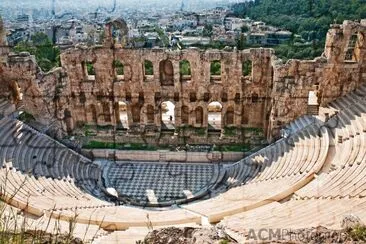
x,y
106,112
91,114
199,116
185,70
185,115
150,114
224,97
89,70
148,69
312,98
135,110
118,32
166,73
313,104
244,116
167,115
214,116
351,48
215,70
122,115
246,68
230,116
118,69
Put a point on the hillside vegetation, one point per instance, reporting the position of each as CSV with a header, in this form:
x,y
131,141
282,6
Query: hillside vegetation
x,y
308,18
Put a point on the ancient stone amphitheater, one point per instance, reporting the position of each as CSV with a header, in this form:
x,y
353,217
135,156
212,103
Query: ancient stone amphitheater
x,y
313,175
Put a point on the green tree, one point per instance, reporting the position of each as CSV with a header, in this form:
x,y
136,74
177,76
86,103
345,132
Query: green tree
x,y
310,18
207,30
47,55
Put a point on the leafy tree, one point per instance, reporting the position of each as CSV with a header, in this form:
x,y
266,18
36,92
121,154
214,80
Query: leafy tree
x,y
163,37
309,18
47,55
207,30
244,29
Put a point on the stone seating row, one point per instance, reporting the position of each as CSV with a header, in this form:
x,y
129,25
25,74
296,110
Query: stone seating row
x,y
251,195
347,180
32,172
6,108
283,158
288,166
294,214
331,195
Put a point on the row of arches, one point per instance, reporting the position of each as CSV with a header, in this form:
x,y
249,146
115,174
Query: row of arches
x,y
167,111
166,70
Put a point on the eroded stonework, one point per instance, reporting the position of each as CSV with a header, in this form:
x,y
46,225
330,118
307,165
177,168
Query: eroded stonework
x,y
272,95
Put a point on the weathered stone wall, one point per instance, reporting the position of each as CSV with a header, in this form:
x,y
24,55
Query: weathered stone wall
x,y
329,76
4,50
271,96
139,91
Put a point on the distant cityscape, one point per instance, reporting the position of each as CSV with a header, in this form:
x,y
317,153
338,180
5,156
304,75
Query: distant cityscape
x,y
186,22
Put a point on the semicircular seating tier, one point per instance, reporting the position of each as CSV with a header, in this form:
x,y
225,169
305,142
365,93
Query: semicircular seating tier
x,y
44,177
313,176
339,189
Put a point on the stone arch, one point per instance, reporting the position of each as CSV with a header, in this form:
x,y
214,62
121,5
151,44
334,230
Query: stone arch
x,y
135,111
148,68
214,110
167,109
166,71
185,114
229,116
215,68
106,112
199,115
122,117
118,67
116,32
185,70
351,46
91,113
89,69
244,116
246,68
150,114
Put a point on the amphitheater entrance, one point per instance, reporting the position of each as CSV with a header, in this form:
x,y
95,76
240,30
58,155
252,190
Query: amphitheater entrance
x,y
122,115
214,116
167,115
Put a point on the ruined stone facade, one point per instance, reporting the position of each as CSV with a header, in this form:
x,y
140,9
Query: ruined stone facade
x,y
269,96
